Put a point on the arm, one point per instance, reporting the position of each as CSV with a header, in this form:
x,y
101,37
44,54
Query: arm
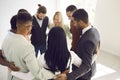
x,y
8,64
23,76
2,60
29,76
36,70
85,67
87,54
76,60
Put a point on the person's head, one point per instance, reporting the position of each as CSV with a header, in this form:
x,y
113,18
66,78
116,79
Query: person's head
x,y
13,21
41,12
57,19
24,23
80,17
22,11
57,54
70,10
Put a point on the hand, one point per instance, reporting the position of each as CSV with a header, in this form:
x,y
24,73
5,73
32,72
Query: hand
x,y
66,71
12,66
61,77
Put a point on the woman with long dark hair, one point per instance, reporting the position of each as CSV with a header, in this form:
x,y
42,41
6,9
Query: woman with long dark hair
x,y
57,58
57,54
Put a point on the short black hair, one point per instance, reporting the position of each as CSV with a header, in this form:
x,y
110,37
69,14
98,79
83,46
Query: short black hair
x,y
71,8
22,11
81,14
22,18
13,21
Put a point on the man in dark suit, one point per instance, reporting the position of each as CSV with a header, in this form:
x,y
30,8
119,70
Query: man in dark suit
x,y
40,24
86,48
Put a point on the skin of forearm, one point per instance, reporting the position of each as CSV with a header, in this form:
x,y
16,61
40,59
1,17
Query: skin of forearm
x,y
2,60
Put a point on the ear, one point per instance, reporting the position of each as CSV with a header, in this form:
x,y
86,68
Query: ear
x,y
27,27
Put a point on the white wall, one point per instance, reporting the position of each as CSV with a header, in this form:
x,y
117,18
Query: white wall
x,y
107,19
8,8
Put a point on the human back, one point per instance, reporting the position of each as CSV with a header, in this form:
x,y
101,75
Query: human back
x,y
18,49
57,52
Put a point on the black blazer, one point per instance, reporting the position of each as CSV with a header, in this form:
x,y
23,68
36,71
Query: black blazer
x,y
86,48
38,36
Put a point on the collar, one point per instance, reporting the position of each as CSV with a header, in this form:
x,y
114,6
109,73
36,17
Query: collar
x,y
86,29
37,18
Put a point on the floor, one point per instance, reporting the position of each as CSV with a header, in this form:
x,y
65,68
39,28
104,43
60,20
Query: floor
x,y
108,67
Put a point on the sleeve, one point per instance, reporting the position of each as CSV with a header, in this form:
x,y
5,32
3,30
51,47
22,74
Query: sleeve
x,y
41,61
23,76
32,64
85,67
76,60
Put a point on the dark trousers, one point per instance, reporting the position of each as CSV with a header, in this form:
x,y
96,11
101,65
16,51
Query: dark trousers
x,y
41,48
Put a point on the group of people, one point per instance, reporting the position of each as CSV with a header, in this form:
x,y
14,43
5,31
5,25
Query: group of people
x,y
20,53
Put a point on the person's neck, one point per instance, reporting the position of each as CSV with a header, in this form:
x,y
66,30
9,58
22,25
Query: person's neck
x,y
26,35
86,25
21,33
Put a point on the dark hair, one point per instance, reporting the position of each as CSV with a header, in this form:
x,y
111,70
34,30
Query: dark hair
x,y
57,54
13,21
22,11
81,14
71,8
22,18
41,9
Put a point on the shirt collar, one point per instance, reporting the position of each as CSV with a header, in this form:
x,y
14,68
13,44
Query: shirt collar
x,y
86,29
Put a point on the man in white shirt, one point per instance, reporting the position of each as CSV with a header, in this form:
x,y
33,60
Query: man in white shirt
x,y
17,49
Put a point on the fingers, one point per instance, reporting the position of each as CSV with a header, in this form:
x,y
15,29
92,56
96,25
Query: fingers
x,y
65,72
13,67
61,77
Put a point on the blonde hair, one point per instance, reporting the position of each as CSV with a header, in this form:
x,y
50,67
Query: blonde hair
x,y
60,17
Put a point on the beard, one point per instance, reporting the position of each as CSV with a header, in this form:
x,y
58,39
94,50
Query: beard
x,y
39,18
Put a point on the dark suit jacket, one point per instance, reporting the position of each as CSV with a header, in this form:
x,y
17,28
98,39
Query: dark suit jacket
x,y
86,47
38,36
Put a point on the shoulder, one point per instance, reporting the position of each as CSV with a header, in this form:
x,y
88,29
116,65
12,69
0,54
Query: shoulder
x,y
51,25
46,18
